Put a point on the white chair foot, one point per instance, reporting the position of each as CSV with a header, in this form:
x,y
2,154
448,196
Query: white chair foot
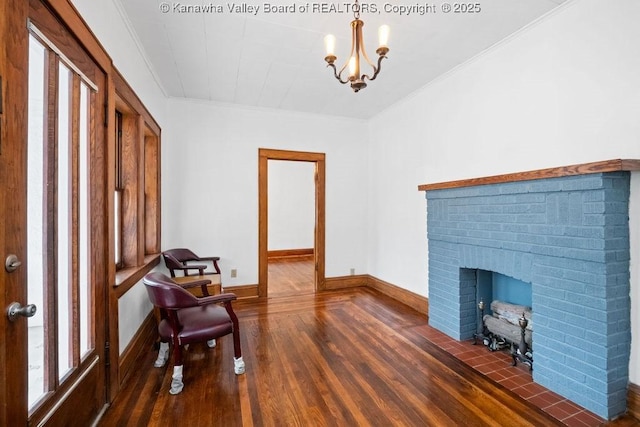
x,y
163,355
211,343
238,365
176,380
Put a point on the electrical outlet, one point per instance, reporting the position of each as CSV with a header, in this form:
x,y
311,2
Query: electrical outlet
x,y
353,271
234,272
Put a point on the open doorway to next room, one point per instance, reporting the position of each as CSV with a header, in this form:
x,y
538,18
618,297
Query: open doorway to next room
x,y
291,227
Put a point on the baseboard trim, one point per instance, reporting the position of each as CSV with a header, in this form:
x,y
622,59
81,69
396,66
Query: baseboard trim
x,y
243,291
633,400
290,253
341,282
413,300
409,298
142,341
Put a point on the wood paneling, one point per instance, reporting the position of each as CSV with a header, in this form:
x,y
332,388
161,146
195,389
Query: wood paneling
x,y
130,158
151,194
579,169
79,404
141,181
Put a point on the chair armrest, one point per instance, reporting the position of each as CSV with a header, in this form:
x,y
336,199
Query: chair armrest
x,y
209,258
214,299
214,260
185,269
193,267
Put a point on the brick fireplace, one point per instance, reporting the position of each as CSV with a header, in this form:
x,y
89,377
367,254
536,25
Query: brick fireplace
x,y
565,231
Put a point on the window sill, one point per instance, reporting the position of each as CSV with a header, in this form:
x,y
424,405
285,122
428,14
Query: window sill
x,y
128,277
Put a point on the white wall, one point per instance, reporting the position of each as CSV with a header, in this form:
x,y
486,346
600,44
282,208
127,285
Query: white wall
x,y
210,182
291,190
561,92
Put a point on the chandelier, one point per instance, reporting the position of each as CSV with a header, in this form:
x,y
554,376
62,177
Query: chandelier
x,y
358,52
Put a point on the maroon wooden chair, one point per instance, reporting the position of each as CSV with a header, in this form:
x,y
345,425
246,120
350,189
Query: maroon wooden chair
x,y
182,259
186,319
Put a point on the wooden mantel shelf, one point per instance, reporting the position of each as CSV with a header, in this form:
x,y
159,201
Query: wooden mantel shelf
x,y
615,165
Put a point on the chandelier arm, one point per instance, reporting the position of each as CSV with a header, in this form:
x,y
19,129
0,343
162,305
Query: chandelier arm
x,y
376,69
336,74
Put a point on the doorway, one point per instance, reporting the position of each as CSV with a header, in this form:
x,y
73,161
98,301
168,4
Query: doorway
x,y
291,225
318,159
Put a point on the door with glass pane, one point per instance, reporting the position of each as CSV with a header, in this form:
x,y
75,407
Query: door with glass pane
x,y
60,232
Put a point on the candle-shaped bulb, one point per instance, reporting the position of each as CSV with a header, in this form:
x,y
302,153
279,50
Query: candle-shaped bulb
x,y
353,67
383,36
330,44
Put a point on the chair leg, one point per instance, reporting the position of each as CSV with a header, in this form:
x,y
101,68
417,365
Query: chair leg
x,y
176,380
163,355
238,362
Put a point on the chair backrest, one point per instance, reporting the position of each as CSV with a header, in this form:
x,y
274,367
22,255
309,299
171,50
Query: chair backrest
x,y
165,293
172,263
181,254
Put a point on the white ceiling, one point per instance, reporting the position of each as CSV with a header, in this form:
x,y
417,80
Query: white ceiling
x,y
276,60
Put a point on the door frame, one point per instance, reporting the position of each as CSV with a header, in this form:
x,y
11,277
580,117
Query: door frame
x,y
264,155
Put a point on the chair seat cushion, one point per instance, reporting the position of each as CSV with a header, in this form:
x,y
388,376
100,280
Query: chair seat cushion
x,y
201,324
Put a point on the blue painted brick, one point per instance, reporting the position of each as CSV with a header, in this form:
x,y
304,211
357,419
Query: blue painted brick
x,y
569,238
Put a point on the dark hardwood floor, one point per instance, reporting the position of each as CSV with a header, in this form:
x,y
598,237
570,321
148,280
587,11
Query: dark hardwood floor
x,y
340,358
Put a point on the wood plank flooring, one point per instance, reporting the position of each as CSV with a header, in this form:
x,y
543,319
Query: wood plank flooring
x,y
340,358
290,275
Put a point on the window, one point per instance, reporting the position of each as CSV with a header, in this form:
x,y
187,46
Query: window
x,y
61,130
136,182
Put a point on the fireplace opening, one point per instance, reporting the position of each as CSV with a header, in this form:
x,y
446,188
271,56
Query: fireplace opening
x,y
505,314
492,286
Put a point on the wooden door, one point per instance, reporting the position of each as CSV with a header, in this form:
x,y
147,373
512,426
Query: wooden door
x,y
53,222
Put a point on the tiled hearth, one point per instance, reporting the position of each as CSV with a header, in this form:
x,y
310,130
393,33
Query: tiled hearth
x,y
497,367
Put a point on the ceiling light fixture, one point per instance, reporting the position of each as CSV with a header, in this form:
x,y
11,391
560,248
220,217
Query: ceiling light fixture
x,y
357,50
